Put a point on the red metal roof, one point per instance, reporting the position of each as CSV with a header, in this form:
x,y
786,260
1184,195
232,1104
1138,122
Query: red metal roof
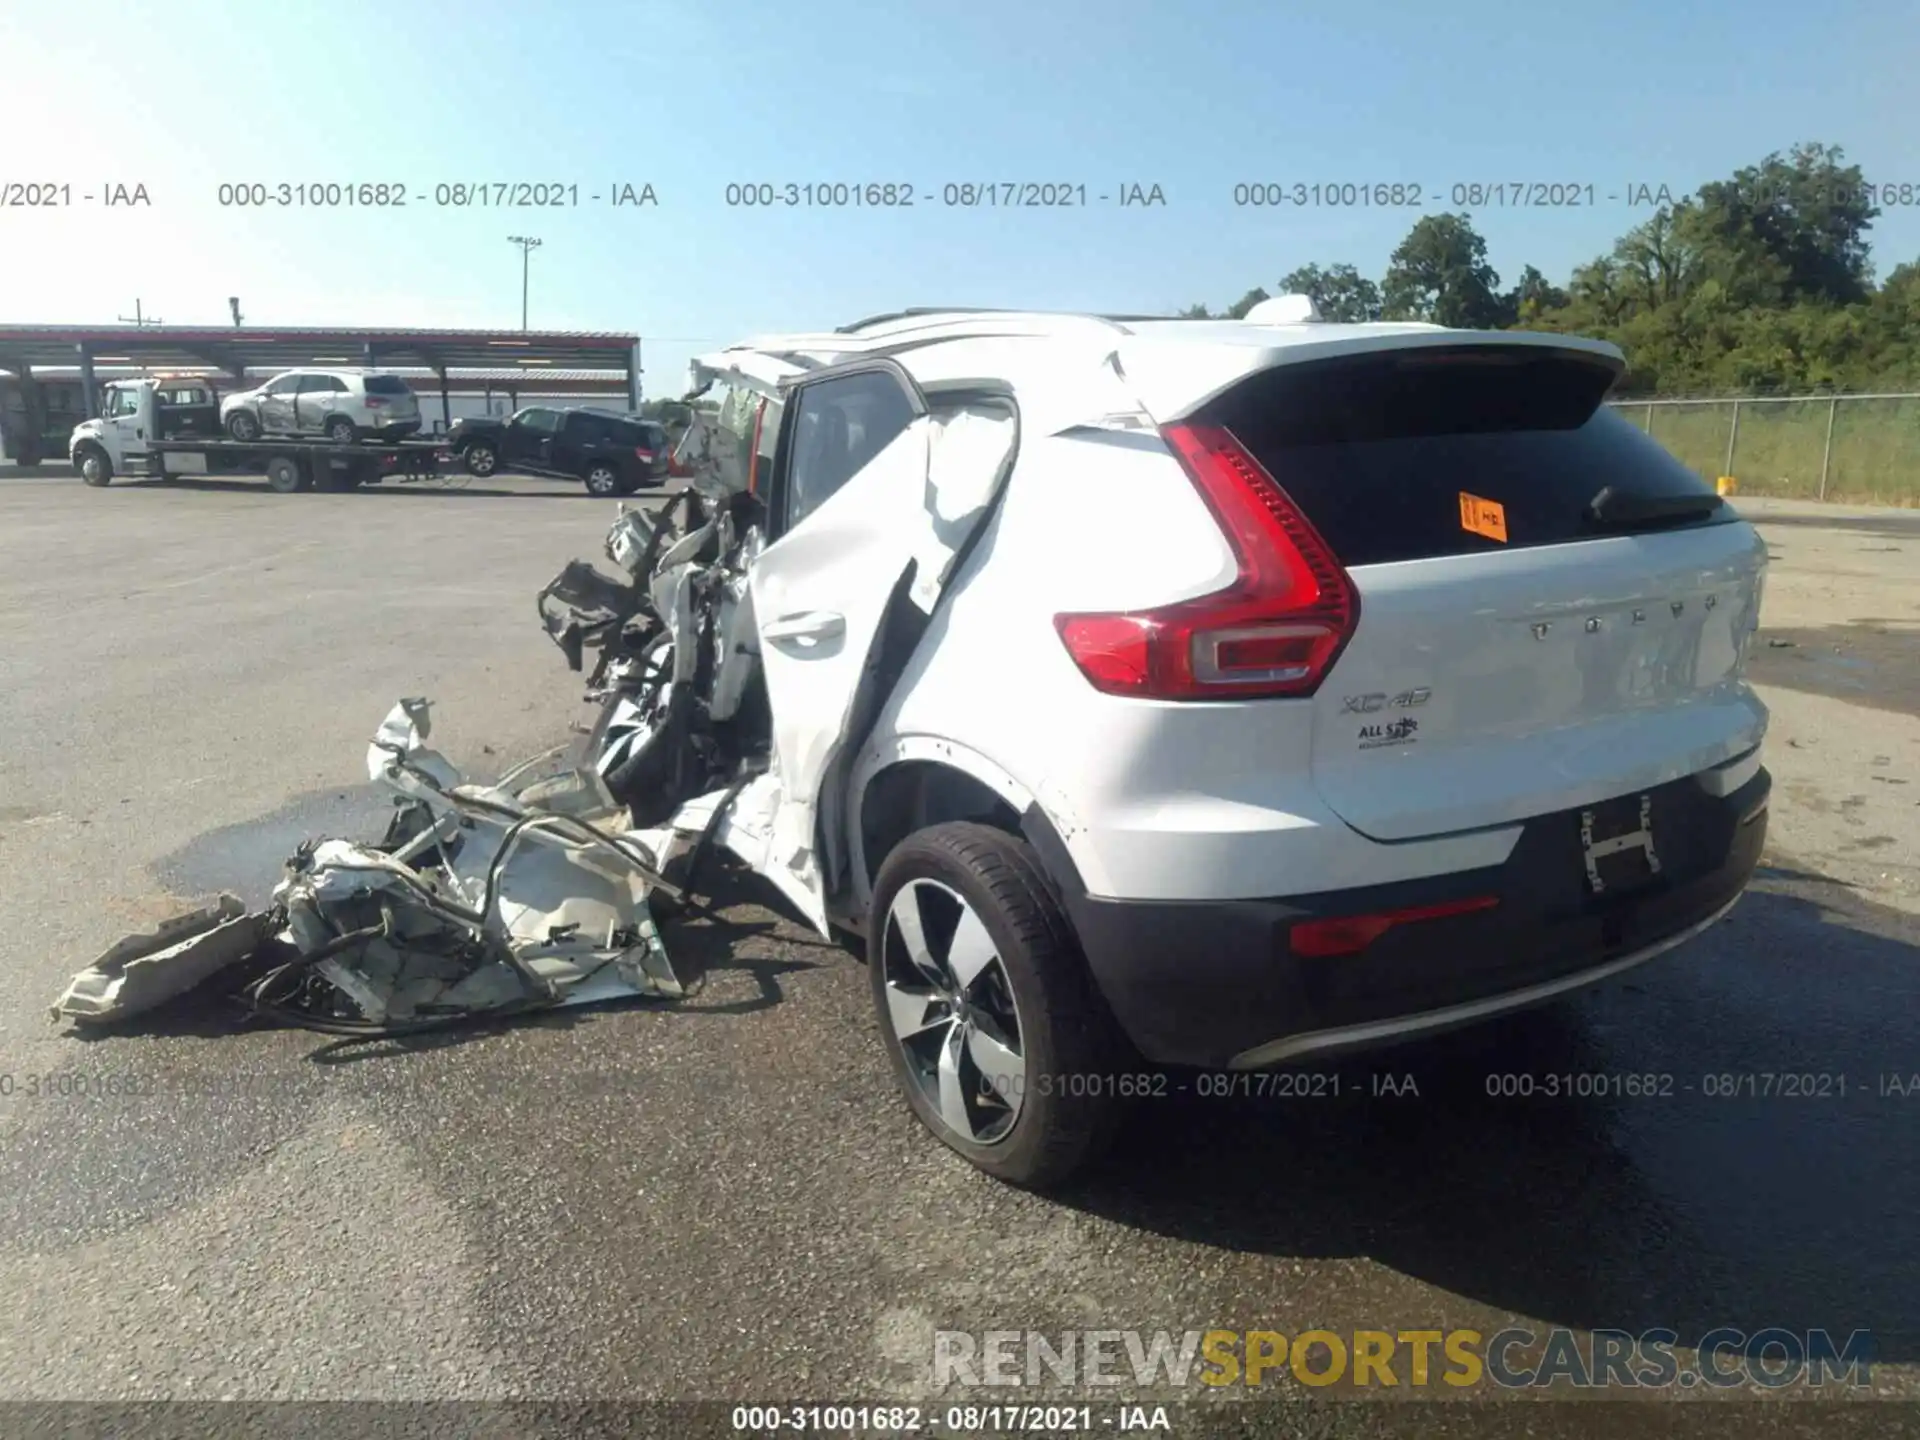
x,y
285,347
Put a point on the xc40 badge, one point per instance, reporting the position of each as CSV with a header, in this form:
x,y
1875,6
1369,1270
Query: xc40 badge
x,y
1380,700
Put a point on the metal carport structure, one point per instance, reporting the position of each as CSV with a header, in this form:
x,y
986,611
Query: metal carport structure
x,y
240,351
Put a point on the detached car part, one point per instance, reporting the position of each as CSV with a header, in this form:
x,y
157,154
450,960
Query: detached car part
x,y
150,968
681,714
478,900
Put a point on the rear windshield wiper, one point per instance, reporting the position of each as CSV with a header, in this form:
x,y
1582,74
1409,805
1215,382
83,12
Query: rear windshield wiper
x,y
1615,509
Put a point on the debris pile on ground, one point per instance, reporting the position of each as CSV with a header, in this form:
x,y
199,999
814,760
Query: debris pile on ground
x,y
479,900
539,890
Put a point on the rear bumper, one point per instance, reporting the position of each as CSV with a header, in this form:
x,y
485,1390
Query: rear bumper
x,y
1217,983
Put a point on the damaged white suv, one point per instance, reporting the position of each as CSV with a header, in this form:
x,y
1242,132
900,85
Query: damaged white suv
x,y
1208,693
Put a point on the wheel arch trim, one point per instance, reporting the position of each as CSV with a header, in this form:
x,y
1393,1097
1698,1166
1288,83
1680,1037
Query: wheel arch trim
x,y
882,755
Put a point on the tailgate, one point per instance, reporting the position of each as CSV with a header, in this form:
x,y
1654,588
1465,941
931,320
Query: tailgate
x,y
1553,609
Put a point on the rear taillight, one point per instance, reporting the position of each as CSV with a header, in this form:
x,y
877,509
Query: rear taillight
x,y
374,402
1350,934
1276,630
645,455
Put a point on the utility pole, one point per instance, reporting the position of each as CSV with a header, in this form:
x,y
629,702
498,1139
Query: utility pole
x,y
139,319
527,244
233,304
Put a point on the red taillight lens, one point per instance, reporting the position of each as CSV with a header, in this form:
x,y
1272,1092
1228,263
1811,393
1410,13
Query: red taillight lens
x,y
646,455
1275,631
1350,934
374,402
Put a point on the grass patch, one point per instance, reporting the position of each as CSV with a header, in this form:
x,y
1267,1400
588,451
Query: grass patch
x,y
1777,450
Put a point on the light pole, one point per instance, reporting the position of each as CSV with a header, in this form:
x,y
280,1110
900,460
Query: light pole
x,y
526,244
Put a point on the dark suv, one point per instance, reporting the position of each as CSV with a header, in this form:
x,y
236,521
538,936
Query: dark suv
x,y
611,453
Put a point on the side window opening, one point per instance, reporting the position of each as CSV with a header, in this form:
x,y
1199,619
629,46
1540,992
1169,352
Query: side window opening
x,y
840,426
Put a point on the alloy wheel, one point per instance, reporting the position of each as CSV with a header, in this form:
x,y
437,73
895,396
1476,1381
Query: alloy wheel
x,y
953,1011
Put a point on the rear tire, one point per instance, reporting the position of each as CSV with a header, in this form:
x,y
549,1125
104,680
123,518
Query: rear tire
x,y
1013,1068
342,431
604,481
285,475
95,468
480,458
244,425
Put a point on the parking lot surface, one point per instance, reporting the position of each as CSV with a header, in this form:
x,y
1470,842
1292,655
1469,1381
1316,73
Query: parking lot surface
x,y
727,1198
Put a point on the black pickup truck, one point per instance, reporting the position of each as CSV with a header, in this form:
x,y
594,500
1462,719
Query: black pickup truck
x,y
609,452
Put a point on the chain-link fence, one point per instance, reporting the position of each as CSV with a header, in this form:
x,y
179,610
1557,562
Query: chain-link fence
x,y
1860,448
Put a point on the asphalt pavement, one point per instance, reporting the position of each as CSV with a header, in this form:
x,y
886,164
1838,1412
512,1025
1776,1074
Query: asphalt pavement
x,y
727,1199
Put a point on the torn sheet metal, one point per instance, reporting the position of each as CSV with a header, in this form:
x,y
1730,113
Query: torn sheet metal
x,y
729,695
161,964
969,454
480,899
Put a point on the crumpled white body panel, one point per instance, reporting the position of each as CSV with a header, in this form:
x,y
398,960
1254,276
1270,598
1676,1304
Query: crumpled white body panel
x,y
508,895
154,966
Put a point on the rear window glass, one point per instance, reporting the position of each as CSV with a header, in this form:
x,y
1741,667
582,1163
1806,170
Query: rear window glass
x,y
387,385
1390,457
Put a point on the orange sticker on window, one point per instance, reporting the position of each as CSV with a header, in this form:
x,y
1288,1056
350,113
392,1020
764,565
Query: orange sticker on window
x,y
1483,517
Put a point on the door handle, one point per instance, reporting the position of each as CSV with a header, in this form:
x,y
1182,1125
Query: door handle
x,y
807,625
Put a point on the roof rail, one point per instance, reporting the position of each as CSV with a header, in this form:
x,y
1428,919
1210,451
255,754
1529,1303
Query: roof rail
x,y
916,311
962,312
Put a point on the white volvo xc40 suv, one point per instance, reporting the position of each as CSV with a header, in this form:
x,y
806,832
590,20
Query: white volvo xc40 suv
x,y
1224,693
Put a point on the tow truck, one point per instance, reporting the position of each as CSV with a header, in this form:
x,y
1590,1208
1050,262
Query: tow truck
x,y
161,427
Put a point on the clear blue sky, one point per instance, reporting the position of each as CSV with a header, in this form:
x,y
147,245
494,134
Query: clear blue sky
x,y
1194,97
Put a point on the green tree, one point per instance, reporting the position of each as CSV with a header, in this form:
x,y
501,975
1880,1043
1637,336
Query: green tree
x,y
1790,229
1440,273
1890,341
1195,312
1763,281
1339,292
1662,260
1534,295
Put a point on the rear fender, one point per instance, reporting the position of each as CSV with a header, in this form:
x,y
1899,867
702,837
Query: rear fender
x,y
882,752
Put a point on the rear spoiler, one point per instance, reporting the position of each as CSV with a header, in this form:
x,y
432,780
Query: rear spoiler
x,y
1173,380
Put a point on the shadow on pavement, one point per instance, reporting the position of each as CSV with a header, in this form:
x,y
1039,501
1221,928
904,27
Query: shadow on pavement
x,y
1688,1210
1866,661
1892,523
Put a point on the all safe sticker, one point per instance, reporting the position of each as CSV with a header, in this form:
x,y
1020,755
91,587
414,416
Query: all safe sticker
x,y
1483,517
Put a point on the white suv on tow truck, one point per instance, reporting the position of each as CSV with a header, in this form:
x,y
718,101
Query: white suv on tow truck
x,y
1224,693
